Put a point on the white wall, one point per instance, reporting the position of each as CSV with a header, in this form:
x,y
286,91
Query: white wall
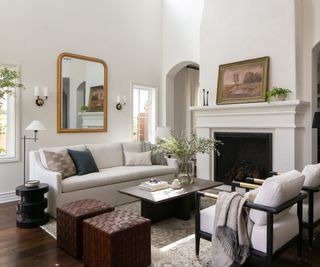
x,y
234,30
125,34
181,44
309,31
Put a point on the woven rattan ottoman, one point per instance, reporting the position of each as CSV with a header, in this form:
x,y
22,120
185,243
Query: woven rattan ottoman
x,y
117,238
69,223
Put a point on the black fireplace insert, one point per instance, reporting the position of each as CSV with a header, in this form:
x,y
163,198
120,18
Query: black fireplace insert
x,y
243,155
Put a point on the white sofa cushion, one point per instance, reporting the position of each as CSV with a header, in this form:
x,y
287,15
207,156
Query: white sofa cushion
x,y
106,155
132,147
57,149
137,159
276,191
112,176
284,229
312,174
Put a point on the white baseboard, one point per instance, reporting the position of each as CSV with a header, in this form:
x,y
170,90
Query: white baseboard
x,y
8,197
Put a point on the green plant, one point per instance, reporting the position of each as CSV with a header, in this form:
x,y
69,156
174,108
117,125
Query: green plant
x,y
84,108
184,147
277,91
8,78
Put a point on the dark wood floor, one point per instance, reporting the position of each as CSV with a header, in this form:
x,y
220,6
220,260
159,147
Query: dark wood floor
x,y
35,248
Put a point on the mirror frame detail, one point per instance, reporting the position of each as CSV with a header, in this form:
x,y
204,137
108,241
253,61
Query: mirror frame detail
x,y
60,129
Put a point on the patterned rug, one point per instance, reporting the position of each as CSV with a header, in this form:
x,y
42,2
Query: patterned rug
x,y
172,241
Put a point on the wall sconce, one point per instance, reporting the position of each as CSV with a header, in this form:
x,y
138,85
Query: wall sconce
x,y
121,101
37,94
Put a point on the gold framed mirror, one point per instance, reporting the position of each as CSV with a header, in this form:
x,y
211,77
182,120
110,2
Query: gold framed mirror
x,y
82,94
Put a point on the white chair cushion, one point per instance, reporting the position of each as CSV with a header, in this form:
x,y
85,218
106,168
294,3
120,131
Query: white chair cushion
x,y
112,176
57,149
276,191
312,174
305,209
206,219
132,147
284,229
252,194
137,159
106,155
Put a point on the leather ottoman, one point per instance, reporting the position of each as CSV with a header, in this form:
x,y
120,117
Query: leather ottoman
x,y
69,223
117,238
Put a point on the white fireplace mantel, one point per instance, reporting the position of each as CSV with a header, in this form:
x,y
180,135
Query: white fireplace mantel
x,y
284,119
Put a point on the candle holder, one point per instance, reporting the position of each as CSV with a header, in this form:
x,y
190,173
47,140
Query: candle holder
x,y
41,99
121,101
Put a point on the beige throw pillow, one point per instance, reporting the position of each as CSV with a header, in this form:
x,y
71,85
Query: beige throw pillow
x,y
60,162
137,159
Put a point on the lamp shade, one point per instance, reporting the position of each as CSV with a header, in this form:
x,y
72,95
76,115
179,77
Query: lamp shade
x,y
163,132
36,126
316,120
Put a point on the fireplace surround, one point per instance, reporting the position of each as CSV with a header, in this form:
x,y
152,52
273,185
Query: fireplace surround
x,y
285,120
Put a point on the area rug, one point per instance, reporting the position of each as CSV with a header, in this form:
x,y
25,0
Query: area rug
x,y
172,241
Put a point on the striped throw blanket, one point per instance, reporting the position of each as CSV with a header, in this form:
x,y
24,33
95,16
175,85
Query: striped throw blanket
x,y
231,231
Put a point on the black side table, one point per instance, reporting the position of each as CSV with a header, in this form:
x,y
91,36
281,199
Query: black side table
x,y
32,205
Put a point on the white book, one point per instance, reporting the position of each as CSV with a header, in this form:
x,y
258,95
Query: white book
x,y
153,186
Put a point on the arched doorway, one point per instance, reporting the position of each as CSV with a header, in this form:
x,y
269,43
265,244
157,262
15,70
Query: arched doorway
x,y
182,85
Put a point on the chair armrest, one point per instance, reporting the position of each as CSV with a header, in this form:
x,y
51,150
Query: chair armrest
x,y
244,185
311,189
260,207
275,173
254,180
279,208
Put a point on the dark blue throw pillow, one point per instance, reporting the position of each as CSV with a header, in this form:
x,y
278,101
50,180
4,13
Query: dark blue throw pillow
x,y
84,161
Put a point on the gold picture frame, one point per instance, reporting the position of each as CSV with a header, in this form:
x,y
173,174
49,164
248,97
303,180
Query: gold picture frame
x,y
243,82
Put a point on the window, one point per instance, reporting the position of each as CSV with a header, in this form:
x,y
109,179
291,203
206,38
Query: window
x,y
9,138
144,113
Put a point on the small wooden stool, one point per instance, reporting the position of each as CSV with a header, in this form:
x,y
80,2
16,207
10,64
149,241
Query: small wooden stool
x,y
69,223
117,238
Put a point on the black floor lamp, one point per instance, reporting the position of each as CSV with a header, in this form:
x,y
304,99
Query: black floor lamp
x,y
33,126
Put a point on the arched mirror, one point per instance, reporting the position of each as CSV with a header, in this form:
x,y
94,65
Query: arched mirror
x,y
82,94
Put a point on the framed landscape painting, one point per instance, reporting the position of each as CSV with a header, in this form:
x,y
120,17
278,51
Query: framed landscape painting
x,y
243,82
96,99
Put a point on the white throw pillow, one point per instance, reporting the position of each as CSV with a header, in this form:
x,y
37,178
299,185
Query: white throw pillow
x,y
106,155
137,159
276,191
312,174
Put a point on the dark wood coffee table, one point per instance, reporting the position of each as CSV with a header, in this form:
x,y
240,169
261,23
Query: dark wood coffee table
x,y
167,203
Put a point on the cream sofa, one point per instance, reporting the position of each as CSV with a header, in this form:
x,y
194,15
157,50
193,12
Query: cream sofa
x,y
102,185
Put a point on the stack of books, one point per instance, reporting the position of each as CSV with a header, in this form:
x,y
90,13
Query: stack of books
x,y
151,186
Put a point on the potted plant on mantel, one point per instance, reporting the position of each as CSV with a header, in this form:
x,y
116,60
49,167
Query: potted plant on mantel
x,y
278,94
8,84
185,149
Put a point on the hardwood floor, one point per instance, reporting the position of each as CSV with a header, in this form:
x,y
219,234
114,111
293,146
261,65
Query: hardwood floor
x,y
35,248
28,247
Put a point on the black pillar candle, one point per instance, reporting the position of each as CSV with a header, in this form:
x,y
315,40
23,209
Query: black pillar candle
x,y
204,97
207,103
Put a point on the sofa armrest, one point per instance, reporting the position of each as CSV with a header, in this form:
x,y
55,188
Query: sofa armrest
x,y
39,172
